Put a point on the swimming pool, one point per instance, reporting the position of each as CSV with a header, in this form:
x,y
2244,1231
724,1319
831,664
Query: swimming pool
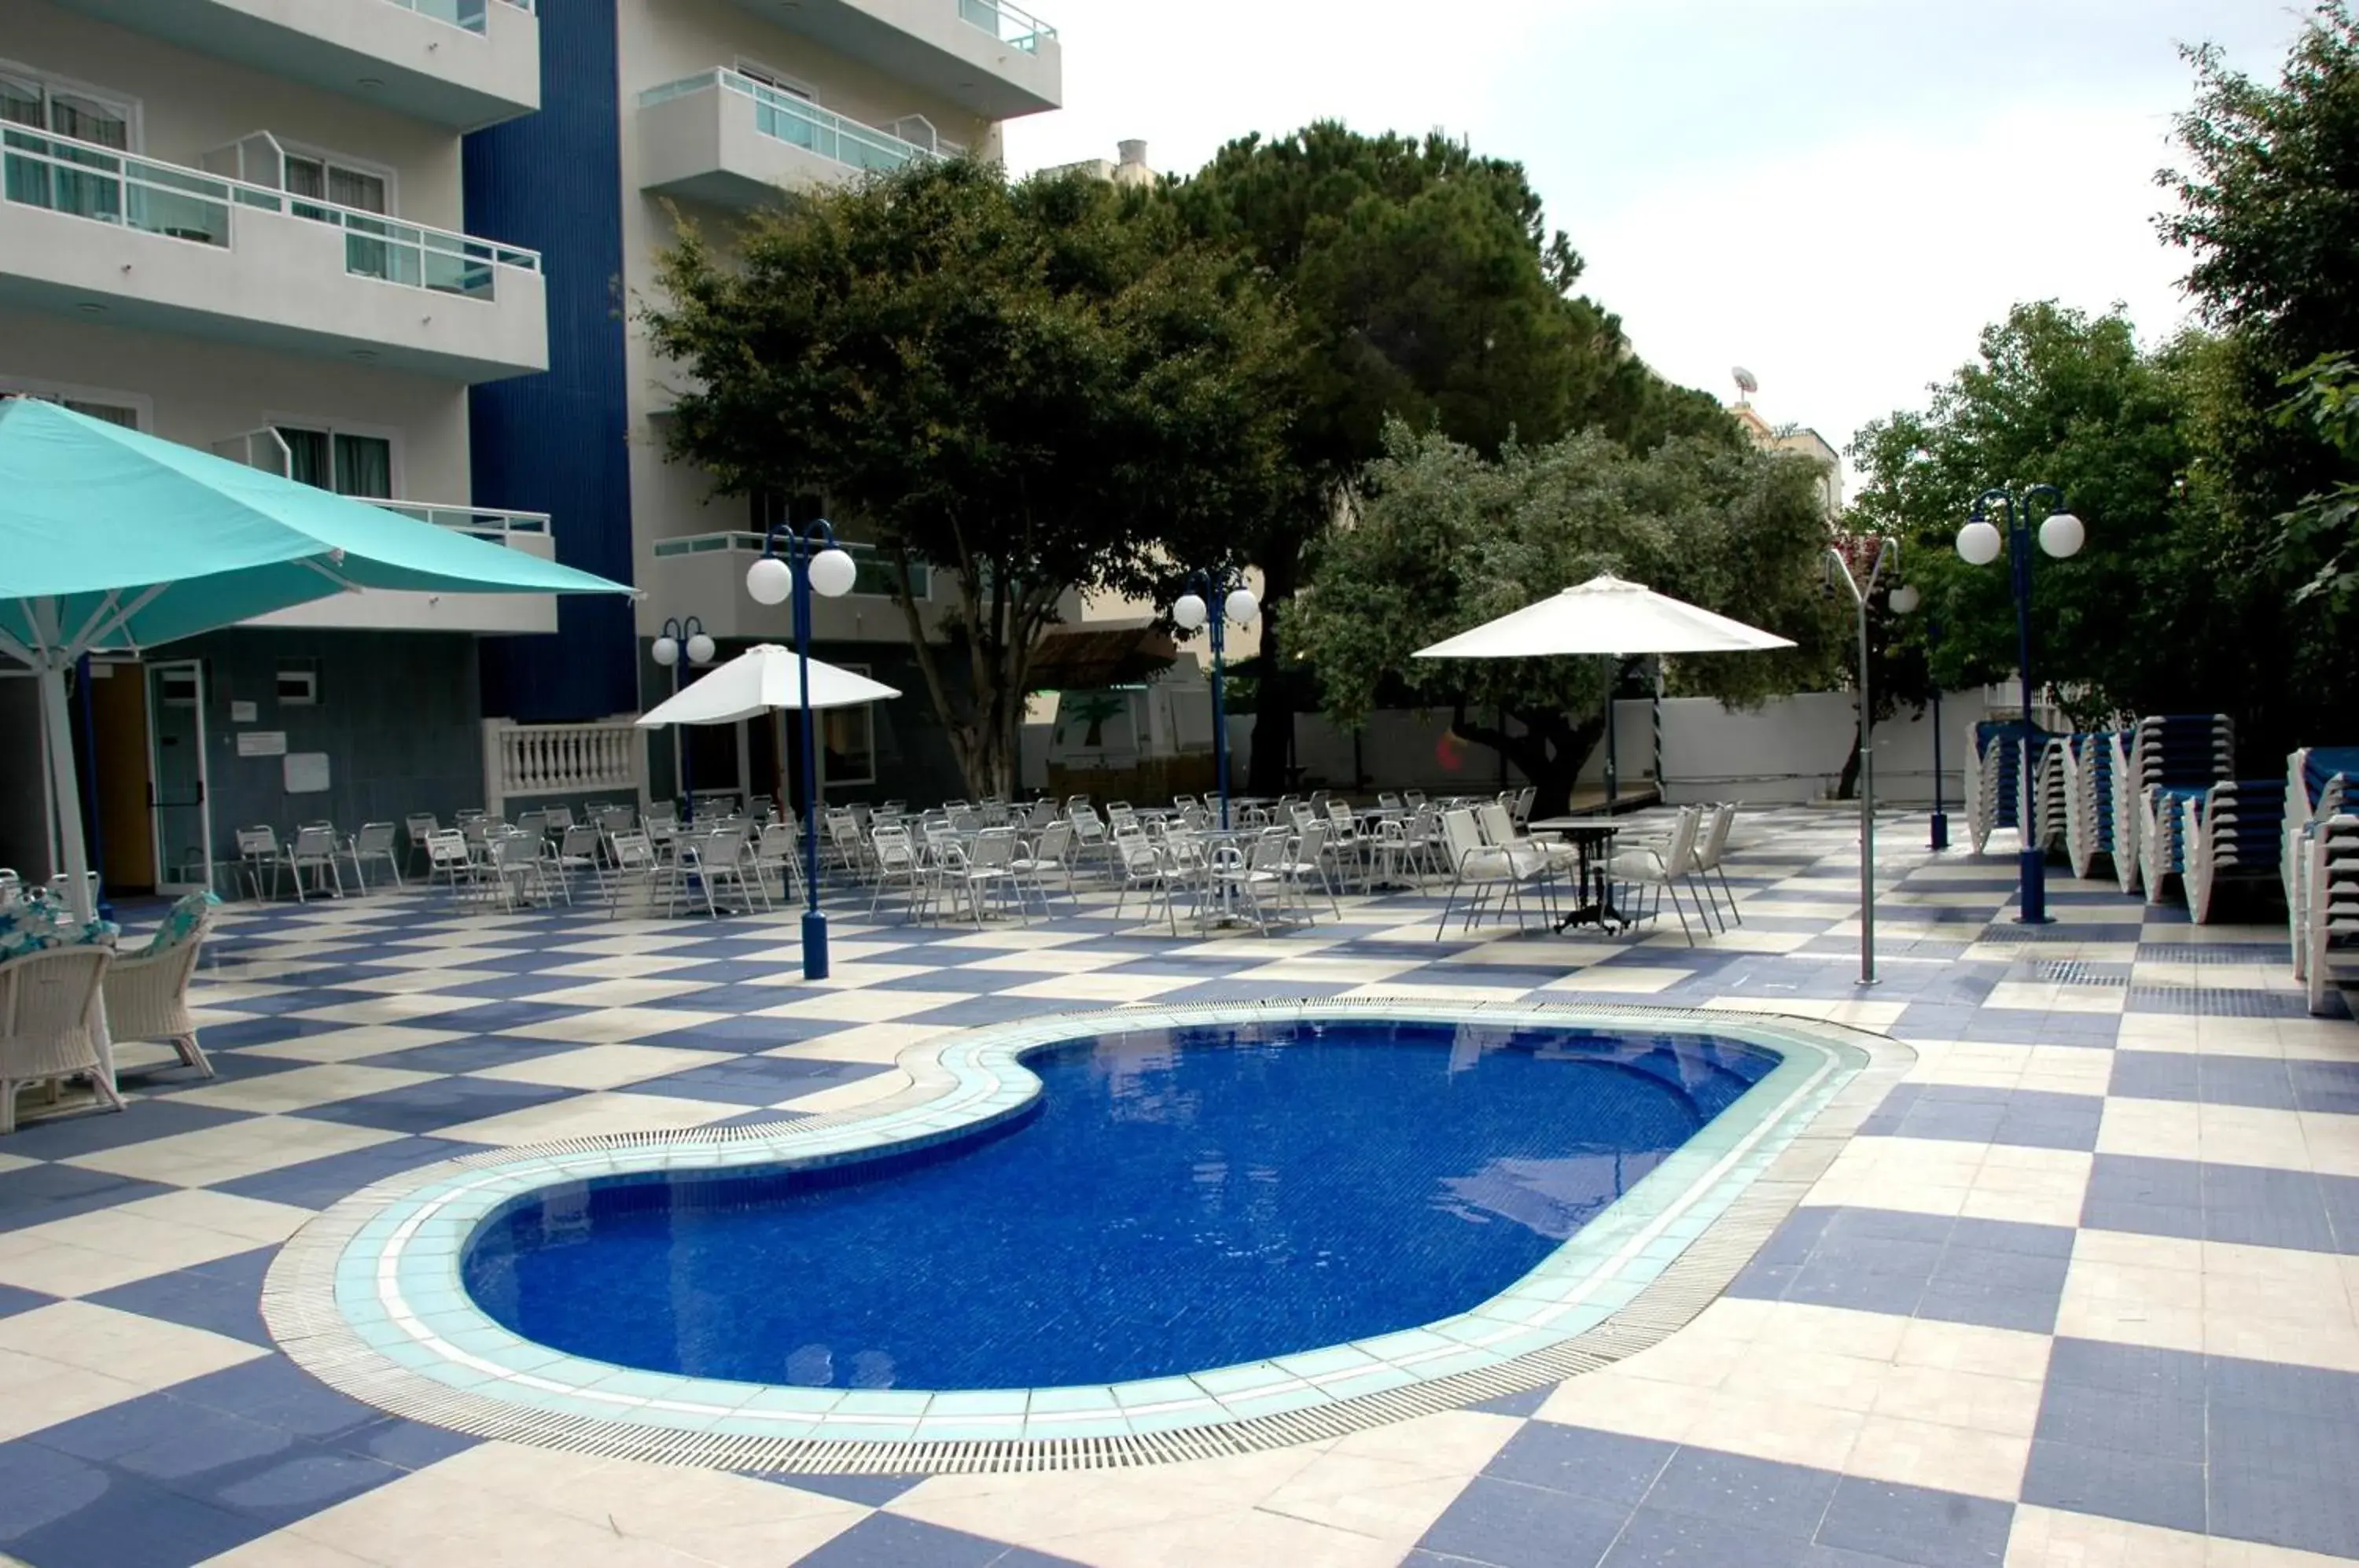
x,y
1475,1176
1176,1200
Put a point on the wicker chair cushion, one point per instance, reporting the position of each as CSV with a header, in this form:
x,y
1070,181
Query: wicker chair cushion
x,y
180,923
39,922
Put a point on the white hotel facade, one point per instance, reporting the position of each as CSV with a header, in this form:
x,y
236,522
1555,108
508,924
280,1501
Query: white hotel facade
x,y
394,248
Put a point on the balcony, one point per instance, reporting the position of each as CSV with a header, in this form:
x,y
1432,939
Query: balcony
x,y
704,574
724,138
137,243
990,58
384,610
462,63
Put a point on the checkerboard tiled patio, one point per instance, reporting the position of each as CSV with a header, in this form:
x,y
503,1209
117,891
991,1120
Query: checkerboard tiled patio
x,y
2082,1293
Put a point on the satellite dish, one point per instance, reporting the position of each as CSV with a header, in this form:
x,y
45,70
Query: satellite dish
x,y
1745,381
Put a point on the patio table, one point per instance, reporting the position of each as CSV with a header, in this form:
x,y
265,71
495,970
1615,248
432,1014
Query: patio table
x,y
1593,840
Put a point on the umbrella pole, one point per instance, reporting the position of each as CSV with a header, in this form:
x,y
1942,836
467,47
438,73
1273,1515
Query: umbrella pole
x,y
65,797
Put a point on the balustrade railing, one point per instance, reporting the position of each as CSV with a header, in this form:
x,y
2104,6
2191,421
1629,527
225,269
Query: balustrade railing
x,y
605,757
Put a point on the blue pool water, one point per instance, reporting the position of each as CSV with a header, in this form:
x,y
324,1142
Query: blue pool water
x,y
1176,1200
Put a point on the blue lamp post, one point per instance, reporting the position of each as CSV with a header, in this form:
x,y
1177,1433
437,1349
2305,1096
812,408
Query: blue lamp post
x,y
813,562
677,638
1979,543
1904,600
1191,611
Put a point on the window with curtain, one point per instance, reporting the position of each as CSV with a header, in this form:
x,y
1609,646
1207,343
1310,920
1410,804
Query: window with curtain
x,y
324,181
347,464
38,183
113,413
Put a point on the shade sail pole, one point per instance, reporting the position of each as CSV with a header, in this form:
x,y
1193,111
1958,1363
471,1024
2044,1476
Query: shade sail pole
x,y
64,794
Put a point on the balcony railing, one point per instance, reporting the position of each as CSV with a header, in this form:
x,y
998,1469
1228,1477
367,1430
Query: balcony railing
x,y
471,15
1010,25
85,180
797,121
877,577
484,522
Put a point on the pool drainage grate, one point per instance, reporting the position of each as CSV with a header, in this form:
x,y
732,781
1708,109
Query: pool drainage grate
x,y
298,1305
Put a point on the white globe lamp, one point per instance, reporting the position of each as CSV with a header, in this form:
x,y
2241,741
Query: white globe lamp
x,y
700,649
1187,610
1904,599
833,572
2062,535
769,581
1242,607
666,652
1979,543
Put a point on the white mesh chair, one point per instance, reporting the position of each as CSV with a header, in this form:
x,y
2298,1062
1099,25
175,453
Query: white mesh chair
x,y
1662,871
374,841
573,853
49,1022
779,851
515,868
1480,870
1052,851
635,863
259,852
313,849
416,827
1712,845
1306,859
148,991
446,858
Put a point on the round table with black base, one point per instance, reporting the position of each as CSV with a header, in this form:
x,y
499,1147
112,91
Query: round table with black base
x,y
1593,839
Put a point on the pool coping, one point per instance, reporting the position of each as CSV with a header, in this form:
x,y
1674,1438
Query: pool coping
x,y
367,1295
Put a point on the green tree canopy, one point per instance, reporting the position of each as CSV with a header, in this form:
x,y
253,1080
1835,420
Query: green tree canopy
x,y
1425,286
2136,620
1036,388
1445,537
2268,209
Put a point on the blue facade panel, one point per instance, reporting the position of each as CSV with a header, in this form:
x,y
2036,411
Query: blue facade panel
x,y
556,442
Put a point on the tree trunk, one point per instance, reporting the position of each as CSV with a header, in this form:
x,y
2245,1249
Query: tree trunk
x,y
1551,752
1275,698
1848,788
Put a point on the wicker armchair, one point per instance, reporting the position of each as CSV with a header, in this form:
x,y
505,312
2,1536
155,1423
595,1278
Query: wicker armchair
x,y
148,991
49,1022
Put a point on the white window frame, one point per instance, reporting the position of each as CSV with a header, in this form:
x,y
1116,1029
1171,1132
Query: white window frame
x,y
867,712
390,434
771,76
54,391
134,109
324,157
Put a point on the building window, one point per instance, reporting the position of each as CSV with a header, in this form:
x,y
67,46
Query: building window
x,y
45,103
754,71
114,407
328,180
847,738
336,460
299,684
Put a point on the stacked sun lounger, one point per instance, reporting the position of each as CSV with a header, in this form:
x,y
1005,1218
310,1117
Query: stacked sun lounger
x,y
2326,940
2173,758
1994,784
2092,805
2319,781
2049,787
2233,832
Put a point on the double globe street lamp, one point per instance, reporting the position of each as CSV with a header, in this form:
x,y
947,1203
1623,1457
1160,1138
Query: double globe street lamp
x,y
1190,611
813,562
678,638
2060,534
1904,600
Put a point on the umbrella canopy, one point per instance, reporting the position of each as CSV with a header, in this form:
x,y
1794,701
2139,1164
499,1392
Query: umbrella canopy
x,y
763,678
1605,616
112,538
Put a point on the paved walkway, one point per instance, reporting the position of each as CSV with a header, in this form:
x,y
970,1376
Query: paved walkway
x,y
2081,1293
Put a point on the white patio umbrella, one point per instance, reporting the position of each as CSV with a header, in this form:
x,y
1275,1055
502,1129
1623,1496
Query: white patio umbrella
x,y
1606,615
763,678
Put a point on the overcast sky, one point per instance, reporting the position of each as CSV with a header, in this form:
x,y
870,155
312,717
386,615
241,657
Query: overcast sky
x,y
1836,194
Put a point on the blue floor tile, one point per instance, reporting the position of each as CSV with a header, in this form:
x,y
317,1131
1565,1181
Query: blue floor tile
x,y
873,1490
888,1540
36,1194
1603,1467
2115,1483
1764,1498
472,1053
1506,1525
437,1104
224,1296
1658,1539
61,1138
316,1183
1916,1525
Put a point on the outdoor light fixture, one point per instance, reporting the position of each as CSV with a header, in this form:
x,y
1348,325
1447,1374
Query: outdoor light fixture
x,y
679,637
811,562
1904,600
1190,611
2061,535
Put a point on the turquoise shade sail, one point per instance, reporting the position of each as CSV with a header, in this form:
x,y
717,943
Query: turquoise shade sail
x,y
112,538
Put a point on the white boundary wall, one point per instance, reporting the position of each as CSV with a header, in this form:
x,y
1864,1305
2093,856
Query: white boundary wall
x,y
1788,749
